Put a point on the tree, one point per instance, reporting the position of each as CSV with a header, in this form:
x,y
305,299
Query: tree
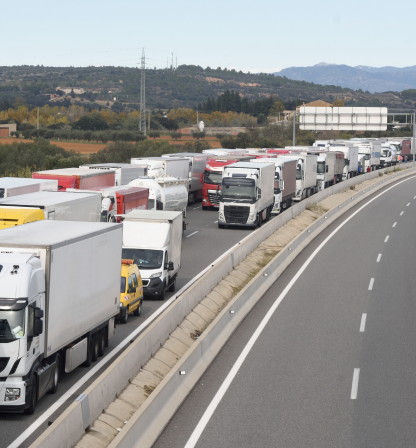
x,y
175,135
338,103
261,119
72,93
198,135
92,122
153,134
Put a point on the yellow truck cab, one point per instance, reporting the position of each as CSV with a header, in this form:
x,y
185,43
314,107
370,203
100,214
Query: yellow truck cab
x,y
131,291
10,217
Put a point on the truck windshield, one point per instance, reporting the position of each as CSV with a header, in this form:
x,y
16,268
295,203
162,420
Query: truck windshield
x,y
298,172
212,177
144,258
320,169
385,153
123,285
236,188
12,325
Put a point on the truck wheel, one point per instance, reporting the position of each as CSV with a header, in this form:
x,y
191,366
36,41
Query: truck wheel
x,y
88,361
172,286
138,310
33,396
162,294
56,375
101,345
125,318
95,346
259,219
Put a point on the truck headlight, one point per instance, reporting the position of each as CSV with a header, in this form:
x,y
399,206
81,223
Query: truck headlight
x,y
12,394
221,216
251,217
204,200
156,274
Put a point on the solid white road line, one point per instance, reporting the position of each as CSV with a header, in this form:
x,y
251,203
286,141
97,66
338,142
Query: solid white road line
x,y
354,388
197,207
378,258
387,238
408,204
401,213
192,234
196,434
394,225
370,286
215,221
362,325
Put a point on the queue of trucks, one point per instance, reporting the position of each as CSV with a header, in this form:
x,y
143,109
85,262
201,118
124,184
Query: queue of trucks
x,y
81,247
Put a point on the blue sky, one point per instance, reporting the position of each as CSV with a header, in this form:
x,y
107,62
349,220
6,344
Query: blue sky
x,y
249,36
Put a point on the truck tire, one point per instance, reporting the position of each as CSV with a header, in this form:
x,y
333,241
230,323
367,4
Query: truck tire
x,y
33,396
138,310
57,375
259,219
88,361
95,347
172,286
101,339
125,318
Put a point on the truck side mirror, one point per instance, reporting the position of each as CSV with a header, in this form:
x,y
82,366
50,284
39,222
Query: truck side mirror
x,y
170,266
38,313
259,193
37,327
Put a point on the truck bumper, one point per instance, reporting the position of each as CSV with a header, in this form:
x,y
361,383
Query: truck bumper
x,y
15,405
154,287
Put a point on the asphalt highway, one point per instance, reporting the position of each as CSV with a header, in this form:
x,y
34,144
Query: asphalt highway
x,y
335,364
202,243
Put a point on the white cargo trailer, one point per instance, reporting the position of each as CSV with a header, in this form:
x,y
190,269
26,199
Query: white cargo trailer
x,y
15,186
153,239
350,151
125,172
61,206
165,167
197,164
306,180
60,292
370,151
247,194
165,193
284,181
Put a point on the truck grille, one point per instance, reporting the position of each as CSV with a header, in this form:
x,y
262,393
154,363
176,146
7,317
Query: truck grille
x,y
236,215
213,198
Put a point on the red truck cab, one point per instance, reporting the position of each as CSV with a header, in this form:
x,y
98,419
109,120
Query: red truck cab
x,y
213,177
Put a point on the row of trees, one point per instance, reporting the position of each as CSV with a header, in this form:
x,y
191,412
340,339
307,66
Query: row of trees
x,y
232,101
21,159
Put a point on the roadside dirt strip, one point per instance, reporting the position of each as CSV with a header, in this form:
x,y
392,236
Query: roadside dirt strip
x,y
110,423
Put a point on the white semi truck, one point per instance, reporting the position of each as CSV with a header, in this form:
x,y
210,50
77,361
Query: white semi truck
x,y
197,164
350,168
153,239
124,172
15,186
165,193
284,181
247,194
370,155
306,180
60,293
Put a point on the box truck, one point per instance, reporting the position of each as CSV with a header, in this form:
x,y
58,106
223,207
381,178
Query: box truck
x,y
247,194
15,186
153,239
306,180
197,164
165,167
165,193
124,172
350,151
370,155
118,200
284,181
79,178
388,155
61,206
60,288
213,177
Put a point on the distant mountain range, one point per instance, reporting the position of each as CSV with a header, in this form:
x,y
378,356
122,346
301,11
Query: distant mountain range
x,y
373,79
